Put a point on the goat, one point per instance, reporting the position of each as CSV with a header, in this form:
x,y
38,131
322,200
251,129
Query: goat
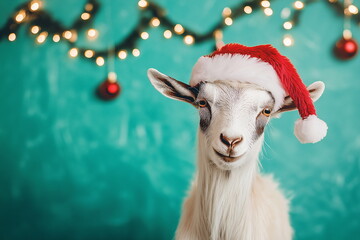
x,y
229,197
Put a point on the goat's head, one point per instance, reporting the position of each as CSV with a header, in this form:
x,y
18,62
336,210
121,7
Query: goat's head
x,y
233,115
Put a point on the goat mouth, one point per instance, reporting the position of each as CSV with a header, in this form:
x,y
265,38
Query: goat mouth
x,y
228,158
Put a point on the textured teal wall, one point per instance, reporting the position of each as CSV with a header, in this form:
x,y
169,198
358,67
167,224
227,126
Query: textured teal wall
x,y
74,167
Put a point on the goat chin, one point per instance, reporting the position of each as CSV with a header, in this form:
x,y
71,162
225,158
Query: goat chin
x,y
228,165
236,203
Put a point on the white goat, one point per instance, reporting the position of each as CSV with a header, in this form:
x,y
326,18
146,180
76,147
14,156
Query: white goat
x,y
229,198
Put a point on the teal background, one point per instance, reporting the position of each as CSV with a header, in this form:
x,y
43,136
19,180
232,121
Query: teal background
x,y
75,167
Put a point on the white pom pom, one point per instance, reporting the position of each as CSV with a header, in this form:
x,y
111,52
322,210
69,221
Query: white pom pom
x,y
310,130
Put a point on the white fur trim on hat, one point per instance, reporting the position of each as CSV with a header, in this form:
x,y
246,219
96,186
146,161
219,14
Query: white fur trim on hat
x,y
310,130
243,68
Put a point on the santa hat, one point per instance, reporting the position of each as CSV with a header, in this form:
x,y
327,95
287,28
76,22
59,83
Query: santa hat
x,y
265,66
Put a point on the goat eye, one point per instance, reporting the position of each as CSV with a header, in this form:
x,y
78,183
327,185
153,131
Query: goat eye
x,y
202,103
266,112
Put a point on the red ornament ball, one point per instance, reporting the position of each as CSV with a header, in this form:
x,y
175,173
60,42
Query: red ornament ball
x,y
346,49
109,89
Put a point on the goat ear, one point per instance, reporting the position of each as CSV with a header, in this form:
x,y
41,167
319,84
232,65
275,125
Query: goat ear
x,y
171,87
315,89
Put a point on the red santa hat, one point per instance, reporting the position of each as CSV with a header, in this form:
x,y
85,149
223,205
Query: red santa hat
x,y
265,66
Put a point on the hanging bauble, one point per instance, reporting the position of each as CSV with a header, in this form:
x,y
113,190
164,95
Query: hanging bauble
x,y
110,88
346,48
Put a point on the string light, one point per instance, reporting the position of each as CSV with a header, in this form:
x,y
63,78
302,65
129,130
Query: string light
x,y
35,5
268,11
167,34
154,18
56,38
100,61
92,34
228,21
226,12
42,37
136,52
288,25
73,52
144,35
188,39
155,22
20,16
179,29
143,3
89,53
12,37
35,29
288,41
298,5
265,4
85,16
122,54
248,9
353,9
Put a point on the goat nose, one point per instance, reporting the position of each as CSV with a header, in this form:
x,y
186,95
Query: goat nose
x,y
230,142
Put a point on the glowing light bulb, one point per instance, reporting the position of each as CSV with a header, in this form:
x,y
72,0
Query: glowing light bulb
x,y
155,22
347,12
228,21
35,5
143,3
70,35
179,29
67,34
92,34
89,53
265,4
288,25
89,7
12,37
285,13
347,34
144,35
268,11
20,16
100,61
288,41
112,77
218,34
85,16
188,39
298,5
56,38
42,37
122,54
73,36
73,52
167,34
136,52
248,9
35,29
226,12
353,9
